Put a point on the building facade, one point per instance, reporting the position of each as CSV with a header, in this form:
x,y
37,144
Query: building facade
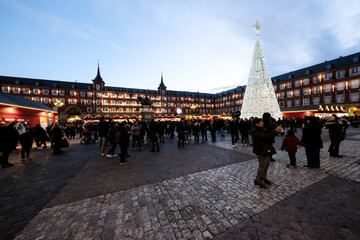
x,y
328,87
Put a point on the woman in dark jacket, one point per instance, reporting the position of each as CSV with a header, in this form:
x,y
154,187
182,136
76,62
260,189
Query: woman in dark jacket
x,y
311,140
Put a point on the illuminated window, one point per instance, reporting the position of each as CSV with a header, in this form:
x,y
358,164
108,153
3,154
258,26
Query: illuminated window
x,y
5,89
16,90
26,90
354,83
54,92
327,88
340,86
89,94
73,93
306,91
306,81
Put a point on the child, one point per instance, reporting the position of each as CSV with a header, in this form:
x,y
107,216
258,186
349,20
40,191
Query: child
x,y
290,143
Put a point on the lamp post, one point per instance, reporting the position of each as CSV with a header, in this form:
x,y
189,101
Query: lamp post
x,y
58,104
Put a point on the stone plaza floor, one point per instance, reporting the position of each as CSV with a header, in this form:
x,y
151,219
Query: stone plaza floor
x,y
204,191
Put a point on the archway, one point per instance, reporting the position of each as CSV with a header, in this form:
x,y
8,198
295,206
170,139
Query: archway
x,y
72,113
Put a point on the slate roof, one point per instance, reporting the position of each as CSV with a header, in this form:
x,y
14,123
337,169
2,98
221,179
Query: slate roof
x,y
326,66
8,99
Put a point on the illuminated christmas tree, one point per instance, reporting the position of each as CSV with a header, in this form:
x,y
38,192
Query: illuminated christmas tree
x,y
259,94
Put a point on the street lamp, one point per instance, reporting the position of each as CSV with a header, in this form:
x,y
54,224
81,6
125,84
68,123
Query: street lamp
x,y
58,104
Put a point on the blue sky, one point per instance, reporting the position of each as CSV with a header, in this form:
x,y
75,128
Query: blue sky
x,y
200,45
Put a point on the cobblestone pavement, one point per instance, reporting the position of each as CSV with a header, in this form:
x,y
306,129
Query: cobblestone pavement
x,y
214,202
26,188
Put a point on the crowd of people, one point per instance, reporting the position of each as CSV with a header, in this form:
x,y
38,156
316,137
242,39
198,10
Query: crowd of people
x,y
24,134
137,134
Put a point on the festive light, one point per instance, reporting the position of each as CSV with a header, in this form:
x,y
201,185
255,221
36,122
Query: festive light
x,y
259,94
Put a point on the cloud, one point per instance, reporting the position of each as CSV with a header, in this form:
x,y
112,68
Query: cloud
x,y
56,24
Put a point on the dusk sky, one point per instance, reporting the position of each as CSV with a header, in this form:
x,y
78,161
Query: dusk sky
x,y
200,45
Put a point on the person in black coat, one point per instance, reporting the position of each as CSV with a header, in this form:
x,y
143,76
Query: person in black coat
x,y
154,133
336,134
56,137
234,130
269,124
262,147
8,141
26,141
311,140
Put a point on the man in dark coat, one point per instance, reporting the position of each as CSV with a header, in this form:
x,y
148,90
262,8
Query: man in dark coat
x,y
153,133
262,147
8,141
269,124
311,140
336,134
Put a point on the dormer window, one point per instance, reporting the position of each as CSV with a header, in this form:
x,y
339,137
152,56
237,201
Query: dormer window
x,y
356,59
37,84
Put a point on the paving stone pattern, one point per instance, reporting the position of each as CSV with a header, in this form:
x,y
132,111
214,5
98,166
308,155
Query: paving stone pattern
x,y
28,187
327,210
195,206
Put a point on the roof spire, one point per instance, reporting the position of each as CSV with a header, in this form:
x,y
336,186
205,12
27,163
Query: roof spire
x,y
162,85
98,75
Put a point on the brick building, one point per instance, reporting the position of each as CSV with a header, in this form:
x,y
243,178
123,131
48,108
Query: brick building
x,y
328,87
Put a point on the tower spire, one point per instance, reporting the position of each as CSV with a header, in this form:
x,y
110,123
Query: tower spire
x,y
259,88
98,75
162,86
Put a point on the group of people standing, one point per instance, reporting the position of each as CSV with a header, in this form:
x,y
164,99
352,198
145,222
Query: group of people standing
x,y
263,136
21,132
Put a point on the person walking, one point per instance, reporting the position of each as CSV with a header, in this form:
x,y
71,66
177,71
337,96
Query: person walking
x,y
262,147
289,144
103,129
311,140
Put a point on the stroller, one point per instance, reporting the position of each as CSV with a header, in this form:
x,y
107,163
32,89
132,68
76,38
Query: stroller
x,y
87,136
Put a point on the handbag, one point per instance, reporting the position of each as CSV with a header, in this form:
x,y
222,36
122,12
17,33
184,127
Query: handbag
x,y
64,143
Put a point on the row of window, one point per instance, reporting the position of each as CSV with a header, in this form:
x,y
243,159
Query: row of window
x,y
339,98
317,79
340,86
